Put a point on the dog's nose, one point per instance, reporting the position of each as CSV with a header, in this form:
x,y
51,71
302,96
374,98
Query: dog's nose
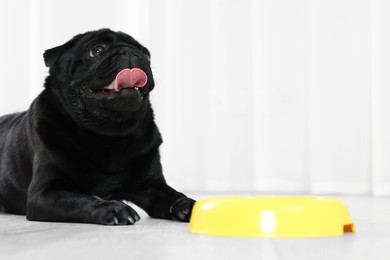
x,y
128,51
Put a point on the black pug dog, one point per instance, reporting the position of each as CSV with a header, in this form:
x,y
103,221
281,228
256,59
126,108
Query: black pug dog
x,y
89,140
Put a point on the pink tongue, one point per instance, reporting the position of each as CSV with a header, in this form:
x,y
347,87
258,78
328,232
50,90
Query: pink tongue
x,y
128,78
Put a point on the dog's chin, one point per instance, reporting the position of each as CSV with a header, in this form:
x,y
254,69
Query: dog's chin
x,y
108,112
101,123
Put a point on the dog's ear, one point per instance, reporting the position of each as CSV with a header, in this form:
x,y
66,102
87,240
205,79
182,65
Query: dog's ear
x,y
51,55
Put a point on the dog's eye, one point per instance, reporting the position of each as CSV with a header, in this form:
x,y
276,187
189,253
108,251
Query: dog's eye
x,y
97,50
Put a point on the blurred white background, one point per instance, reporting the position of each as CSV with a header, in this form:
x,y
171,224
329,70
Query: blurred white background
x,y
252,95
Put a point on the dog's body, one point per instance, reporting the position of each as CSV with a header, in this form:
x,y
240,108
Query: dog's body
x,y
89,140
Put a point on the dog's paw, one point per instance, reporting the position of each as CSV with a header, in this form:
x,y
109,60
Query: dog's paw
x,y
114,212
182,208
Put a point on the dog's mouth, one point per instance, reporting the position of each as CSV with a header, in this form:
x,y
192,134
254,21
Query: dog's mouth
x,y
126,83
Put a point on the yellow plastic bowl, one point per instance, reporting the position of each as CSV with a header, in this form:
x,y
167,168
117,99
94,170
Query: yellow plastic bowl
x,y
271,216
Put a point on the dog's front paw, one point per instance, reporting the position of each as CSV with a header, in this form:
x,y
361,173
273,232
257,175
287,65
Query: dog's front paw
x,y
181,209
114,213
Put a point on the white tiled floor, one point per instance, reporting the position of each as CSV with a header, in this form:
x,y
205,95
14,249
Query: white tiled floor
x,y
157,239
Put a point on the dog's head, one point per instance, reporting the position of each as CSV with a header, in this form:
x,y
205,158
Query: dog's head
x,y
102,78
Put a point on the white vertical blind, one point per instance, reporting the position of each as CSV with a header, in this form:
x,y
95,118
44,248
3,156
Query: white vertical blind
x,y
279,69
13,56
339,97
251,96
380,96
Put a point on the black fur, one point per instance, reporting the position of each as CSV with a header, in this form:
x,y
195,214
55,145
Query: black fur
x,y
75,154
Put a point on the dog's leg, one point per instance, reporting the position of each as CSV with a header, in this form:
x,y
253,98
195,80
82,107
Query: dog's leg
x,y
53,199
162,201
63,206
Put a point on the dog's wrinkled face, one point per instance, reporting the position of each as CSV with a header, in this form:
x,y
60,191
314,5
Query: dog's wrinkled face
x,y
103,78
